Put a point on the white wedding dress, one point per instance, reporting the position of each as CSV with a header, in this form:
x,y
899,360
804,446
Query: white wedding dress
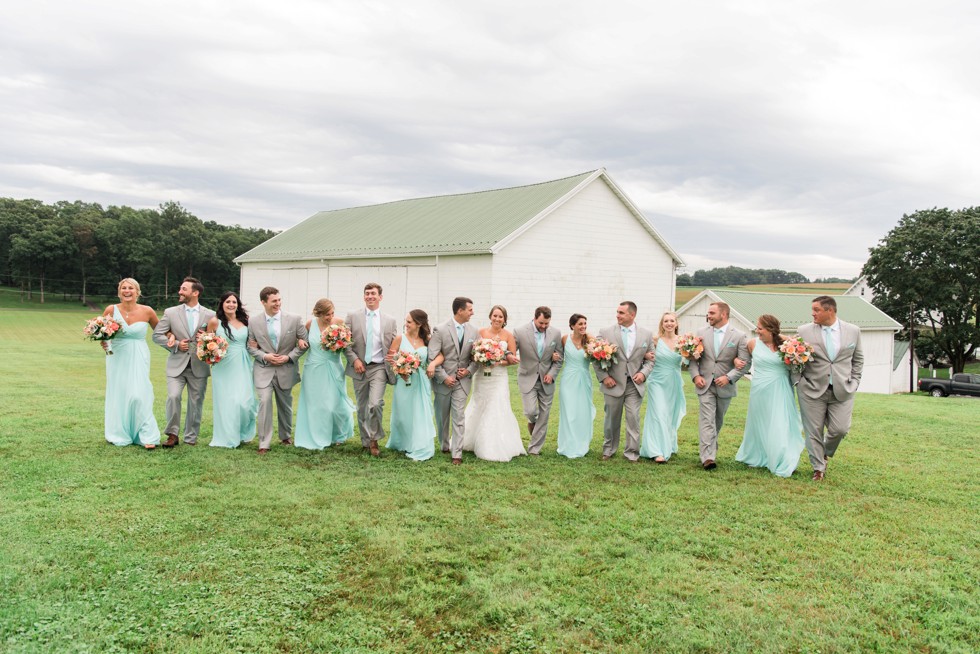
x,y
491,428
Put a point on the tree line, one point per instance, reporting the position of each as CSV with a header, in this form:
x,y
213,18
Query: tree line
x,y
734,276
82,250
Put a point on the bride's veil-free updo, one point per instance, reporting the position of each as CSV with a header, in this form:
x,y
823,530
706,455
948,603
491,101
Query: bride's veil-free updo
x,y
502,310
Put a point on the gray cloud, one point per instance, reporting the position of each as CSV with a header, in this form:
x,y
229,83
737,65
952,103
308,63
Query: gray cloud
x,y
764,134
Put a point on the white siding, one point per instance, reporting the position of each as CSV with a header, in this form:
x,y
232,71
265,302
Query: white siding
x,y
694,316
564,262
466,276
900,376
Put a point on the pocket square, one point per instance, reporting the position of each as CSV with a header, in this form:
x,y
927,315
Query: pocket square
x,y
730,345
851,346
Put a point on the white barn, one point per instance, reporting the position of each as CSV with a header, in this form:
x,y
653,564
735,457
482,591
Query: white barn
x,y
877,328
578,245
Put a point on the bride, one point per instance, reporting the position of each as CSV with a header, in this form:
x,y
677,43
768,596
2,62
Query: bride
x,y
491,428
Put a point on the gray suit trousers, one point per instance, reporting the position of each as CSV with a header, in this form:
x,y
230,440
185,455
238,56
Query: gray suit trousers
x,y
537,409
449,408
711,418
370,394
824,412
631,399
196,387
284,409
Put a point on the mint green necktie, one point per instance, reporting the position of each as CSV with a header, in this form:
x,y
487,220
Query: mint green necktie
x,y
272,333
539,337
191,323
369,338
718,334
828,336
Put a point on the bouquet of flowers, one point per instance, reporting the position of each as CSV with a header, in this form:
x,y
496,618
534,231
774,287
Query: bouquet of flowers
x,y
488,352
404,364
102,328
690,346
336,338
211,348
602,352
796,353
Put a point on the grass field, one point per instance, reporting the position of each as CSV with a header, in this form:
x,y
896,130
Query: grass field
x,y
685,294
106,549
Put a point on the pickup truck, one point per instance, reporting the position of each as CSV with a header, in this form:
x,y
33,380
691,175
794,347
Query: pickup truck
x,y
960,384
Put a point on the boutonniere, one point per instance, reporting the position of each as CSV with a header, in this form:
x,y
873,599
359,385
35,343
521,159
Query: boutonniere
x,y
470,341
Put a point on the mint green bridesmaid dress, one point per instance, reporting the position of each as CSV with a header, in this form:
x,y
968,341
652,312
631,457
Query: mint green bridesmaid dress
x,y
576,411
413,430
233,391
129,418
666,405
773,436
325,415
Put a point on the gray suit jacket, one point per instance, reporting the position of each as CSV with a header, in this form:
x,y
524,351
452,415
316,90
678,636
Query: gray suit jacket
x,y
291,330
624,367
443,340
175,322
713,364
356,321
532,368
846,366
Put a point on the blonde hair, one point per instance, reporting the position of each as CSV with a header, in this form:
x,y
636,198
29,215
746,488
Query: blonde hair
x,y
660,327
132,281
322,307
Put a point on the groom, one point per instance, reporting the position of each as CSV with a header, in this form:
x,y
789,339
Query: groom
x,y
625,381
826,391
538,342
184,369
372,333
715,375
451,381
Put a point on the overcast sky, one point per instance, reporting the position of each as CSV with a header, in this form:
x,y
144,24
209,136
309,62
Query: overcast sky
x,y
760,134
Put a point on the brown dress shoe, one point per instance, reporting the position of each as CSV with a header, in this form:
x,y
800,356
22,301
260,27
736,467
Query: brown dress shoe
x,y
606,457
818,475
171,441
530,428
446,451
709,464
263,450
456,462
288,441
374,449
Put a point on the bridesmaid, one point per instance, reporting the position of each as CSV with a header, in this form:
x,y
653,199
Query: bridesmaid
x,y
129,416
326,414
666,405
232,390
576,410
773,431
413,430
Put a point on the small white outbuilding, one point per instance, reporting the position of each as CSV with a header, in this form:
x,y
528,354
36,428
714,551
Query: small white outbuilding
x,y
877,328
578,245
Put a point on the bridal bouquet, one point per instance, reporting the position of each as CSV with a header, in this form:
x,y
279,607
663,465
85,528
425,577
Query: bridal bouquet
x,y
102,328
796,353
690,346
211,348
404,364
336,338
602,352
489,352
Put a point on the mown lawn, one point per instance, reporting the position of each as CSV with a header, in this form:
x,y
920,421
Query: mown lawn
x,y
195,550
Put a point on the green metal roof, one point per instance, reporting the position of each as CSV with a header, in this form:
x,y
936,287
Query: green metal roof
x,y
794,310
467,223
901,347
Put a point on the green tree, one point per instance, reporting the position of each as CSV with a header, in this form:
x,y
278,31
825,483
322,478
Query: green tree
x,y
43,244
929,266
